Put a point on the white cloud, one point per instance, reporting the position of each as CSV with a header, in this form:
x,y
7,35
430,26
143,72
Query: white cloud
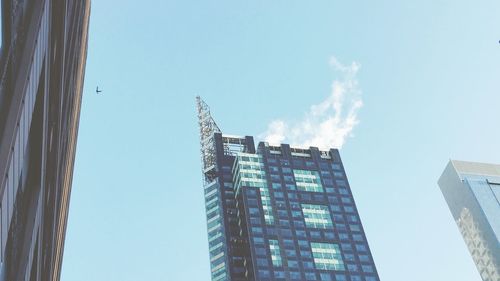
x,y
329,123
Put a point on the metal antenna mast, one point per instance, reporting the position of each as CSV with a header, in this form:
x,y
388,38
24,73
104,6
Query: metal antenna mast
x,y
207,129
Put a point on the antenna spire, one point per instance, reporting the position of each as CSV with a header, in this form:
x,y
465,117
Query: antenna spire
x,y
207,129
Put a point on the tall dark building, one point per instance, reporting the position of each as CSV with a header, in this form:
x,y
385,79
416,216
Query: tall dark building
x,y
278,212
43,54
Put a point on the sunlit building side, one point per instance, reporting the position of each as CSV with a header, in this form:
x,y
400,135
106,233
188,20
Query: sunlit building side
x,y
472,191
42,65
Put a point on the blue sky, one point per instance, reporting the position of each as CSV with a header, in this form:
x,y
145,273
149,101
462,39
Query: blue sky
x,y
429,83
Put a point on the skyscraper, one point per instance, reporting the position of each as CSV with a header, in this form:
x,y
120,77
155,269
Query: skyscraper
x,y
279,212
42,65
472,191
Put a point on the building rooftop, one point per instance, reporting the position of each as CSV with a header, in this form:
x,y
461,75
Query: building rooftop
x,y
475,168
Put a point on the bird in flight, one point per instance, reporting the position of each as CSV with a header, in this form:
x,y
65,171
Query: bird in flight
x,y
97,90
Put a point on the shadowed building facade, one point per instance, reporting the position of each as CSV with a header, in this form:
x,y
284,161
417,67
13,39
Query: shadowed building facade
x,y
472,191
278,212
43,54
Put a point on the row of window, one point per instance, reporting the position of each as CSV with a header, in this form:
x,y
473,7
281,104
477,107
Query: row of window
x,y
300,163
323,276
345,199
326,256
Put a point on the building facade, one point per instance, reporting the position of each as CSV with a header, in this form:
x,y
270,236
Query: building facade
x,y
42,63
278,212
472,191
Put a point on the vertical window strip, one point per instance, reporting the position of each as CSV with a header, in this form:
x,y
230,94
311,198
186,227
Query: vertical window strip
x,y
251,172
274,247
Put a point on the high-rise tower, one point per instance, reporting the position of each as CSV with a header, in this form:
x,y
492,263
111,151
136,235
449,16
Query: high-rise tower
x,y
278,212
42,67
472,191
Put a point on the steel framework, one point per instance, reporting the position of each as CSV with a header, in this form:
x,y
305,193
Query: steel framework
x,y
207,129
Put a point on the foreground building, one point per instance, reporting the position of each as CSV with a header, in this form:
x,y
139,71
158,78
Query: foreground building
x,y
472,191
43,54
278,212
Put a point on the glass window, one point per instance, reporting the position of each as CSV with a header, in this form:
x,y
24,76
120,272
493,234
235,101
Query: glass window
x,y
343,191
286,233
343,236
290,253
367,268
308,265
329,235
303,244
338,174
357,237
295,275
253,211
340,277
285,223
305,254
288,243
276,185
317,216
273,169
346,200
296,214
260,251
307,180
252,202
330,190
310,276
360,248
258,240
264,274
349,209
279,274
333,199
364,258
257,230
293,264
341,183
349,257
325,277
300,233
336,166
327,256
275,253
352,267
255,221
299,224
275,178
346,247
278,195
315,234
262,262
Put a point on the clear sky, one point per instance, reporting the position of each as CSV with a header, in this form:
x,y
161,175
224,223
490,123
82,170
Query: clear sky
x,y
429,81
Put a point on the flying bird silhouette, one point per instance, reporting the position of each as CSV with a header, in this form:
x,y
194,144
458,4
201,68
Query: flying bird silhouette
x,y
97,90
